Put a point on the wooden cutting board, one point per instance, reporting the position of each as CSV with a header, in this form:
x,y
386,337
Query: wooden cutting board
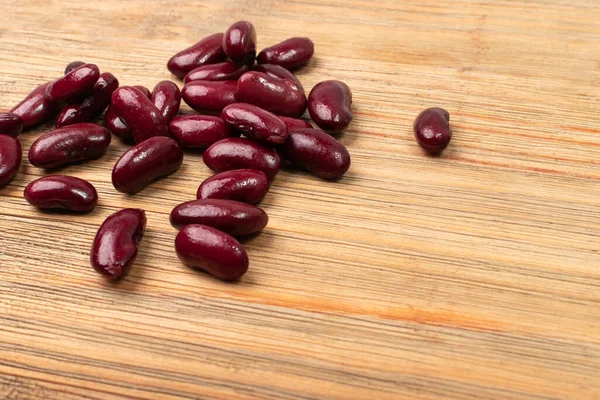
x,y
474,275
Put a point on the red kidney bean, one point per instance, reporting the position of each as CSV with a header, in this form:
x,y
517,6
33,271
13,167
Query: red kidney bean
x,y
245,185
116,125
238,153
295,123
432,130
10,124
225,71
69,144
207,51
146,162
76,83
232,217
318,152
93,105
280,96
145,91
167,98
239,42
72,65
10,158
209,95
35,108
276,71
212,251
138,113
62,192
115,246
255,123
329,105
198,131
290,53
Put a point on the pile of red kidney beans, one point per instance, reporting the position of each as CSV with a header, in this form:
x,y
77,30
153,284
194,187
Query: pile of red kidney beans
x,y
249,125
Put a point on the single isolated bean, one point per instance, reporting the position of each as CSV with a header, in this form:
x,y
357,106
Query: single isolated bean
x,y
432,130
69,144
35,108
239,42
209,95
93,105
291,53
10,158
318,152
245,185
60,192
75,84
232,217
198,131
72,65
10,124
238,153
279,96
146,162
139,113
116,124
212,251
329,105
255,123
207,51
115,246
276,71
167,98
295,123
225,71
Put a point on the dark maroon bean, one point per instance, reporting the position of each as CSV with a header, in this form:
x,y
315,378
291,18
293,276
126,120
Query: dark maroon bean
x,y
10,158
318,152
198,131
209,95
138,113
62,192
10,124
245,185
75,84
115,246
280,96
255,123
35,108
295,123
239,42
167,98
238,153
432,130
146,162
290,53
93,105
276,71
329,105
207,51
226,71
145,91
116,125
69,144
232,217
72,65
212,251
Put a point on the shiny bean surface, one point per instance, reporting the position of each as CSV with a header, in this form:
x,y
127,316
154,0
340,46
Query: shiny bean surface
x,y
35,108
75,84
318,152
225,71
291,53
116,124
146,162
295,123
280,96
232,217
10,158
329,105
10,124
63,193
255,123
115,246
198,131
72,65
276,71
207,51
139,113
432,130
245,185
212,251
239,42
167,98
69,144
209,95
239,153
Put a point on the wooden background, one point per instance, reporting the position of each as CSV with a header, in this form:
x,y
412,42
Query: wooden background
x,y
475,275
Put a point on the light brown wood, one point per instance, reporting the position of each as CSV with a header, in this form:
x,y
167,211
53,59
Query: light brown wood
x,y
475,275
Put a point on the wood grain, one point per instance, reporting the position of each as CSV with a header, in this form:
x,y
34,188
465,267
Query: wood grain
x,y
474,275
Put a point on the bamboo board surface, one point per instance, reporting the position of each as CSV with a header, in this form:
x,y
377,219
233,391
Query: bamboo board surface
x,y
474,275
